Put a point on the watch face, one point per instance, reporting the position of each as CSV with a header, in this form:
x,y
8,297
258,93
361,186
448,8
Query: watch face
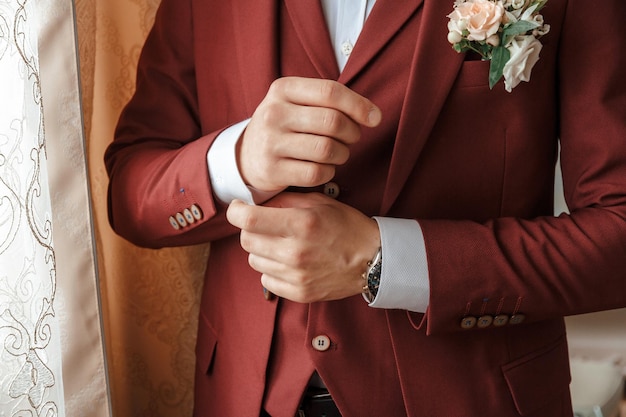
x,y
373,275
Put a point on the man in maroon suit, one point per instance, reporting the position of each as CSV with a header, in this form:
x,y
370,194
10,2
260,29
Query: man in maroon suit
x,y
326,170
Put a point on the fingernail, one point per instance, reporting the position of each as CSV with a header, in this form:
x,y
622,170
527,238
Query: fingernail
x,y
374,117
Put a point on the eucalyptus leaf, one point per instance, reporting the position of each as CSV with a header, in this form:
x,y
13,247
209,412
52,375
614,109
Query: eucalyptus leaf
x,y
499,58
519,27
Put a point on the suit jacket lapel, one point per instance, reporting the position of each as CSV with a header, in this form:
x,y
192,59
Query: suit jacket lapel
x,y
310,26
256,28
386,18
433,71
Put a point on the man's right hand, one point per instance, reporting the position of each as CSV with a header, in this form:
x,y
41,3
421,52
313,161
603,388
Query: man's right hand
x,y
300,132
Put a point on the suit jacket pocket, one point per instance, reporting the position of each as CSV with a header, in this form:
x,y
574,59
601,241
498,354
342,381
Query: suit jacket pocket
x,y
205,346
473,74
539,377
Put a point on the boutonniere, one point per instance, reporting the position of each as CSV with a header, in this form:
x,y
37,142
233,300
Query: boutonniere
x,y
505,32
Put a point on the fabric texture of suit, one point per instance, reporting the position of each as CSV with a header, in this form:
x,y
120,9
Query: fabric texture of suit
x,y
475,166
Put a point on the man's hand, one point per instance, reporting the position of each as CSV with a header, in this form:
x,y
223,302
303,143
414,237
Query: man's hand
x,y
307,246
301,130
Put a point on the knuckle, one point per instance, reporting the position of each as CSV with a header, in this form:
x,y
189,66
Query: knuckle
x,y
300,296
300,262
332,120
271,113
245,241
324,149
303,294
252,261
309,223
329,90
316,174
300,279
342,156
294,256
278,86
249,222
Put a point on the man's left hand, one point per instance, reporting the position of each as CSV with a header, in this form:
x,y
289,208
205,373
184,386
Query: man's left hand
x,y
308,247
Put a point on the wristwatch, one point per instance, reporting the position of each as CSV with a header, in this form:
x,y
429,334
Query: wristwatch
x,y
372,277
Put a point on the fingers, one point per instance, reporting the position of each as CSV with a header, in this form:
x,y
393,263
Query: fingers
x,y
257,220
314,148
318,121
307,247
328,94
300,132
271,231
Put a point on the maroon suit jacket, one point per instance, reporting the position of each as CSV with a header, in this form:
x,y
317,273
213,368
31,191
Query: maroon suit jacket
x,y
475,166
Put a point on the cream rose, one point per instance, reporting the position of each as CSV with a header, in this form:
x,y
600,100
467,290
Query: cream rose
x,y
524,55
481,19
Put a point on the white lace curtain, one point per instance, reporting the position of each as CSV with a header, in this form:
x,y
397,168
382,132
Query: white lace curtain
x,y
48,297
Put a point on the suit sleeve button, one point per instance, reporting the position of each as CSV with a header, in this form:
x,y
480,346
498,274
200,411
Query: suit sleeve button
x,y
189,217
468,322
484,322
517,319
500,320
321,343
181,220
196,212
174,223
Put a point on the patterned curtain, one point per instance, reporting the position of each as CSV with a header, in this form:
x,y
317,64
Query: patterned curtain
x,y
150,297
30,345
45,251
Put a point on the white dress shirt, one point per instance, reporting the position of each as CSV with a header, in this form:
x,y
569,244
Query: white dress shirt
x,y
404,278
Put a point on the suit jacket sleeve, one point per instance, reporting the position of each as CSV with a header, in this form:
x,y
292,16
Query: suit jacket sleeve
x,y
157,164
550,267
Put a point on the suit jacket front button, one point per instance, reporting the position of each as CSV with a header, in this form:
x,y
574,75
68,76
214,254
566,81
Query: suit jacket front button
x,y
468,322
321,343
331,190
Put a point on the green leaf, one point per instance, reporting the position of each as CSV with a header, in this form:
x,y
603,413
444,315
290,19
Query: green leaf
x,y
518,28
499,58
484,49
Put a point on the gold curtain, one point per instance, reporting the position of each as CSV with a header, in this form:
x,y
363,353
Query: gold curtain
x,y
149,297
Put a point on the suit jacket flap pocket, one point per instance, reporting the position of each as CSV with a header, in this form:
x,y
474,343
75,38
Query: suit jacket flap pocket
x,y
538,378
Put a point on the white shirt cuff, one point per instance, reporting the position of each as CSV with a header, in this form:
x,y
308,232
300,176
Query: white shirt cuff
x,y
404,280
226,180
